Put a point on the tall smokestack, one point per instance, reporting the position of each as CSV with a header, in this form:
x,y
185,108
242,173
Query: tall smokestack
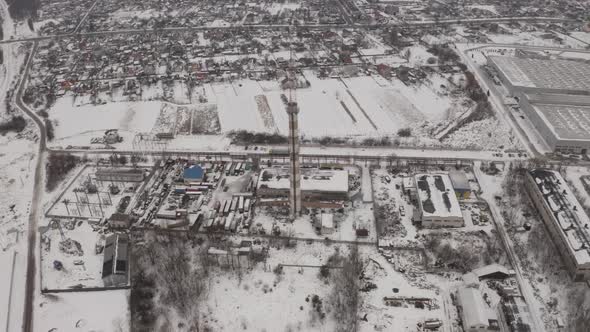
x,y
295,189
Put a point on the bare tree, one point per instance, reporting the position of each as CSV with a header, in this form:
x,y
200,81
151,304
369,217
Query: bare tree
x,y
344,299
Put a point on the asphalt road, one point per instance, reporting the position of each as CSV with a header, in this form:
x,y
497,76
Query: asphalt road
x,y
36,199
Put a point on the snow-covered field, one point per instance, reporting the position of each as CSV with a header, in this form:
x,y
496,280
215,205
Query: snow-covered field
x,y
86,311
17,164
129,116
261,303
360,106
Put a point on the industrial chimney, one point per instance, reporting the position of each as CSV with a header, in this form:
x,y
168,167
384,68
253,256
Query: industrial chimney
x,y
295,179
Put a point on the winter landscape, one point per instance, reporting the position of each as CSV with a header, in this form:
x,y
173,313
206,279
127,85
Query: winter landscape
x,y
295,165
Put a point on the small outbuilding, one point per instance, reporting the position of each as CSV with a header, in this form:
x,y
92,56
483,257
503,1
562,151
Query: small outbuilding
x,y
115,264
460,184
475,313
327,223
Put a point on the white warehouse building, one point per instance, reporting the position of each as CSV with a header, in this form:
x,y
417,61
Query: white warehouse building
x,y
437,203
555,97
564,218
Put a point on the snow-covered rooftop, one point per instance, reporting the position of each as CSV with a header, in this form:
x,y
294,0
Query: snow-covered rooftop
x,y
566,121
475,312
544,74
436,196
311,180
327,220
573,222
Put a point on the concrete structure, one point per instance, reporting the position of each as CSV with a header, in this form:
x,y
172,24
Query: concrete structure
x,y
119,175
314,185
475,313
115,266
555,96
295,179
564,218
460,184
437,203
193,173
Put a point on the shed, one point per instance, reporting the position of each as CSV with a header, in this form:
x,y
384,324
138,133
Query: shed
x,y
475,314
115,263
460,184
327,221
493,271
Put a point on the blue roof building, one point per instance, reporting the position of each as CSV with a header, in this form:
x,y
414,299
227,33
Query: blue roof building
x,y
193,173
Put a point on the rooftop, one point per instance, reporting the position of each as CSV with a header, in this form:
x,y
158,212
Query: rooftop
x,y
327,220
475,311
437,198
545,74
573,221
566,121
193,172
311,179
459,180
115,255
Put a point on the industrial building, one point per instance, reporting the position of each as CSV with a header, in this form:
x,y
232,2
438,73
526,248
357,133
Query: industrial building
x,y
475,313
115,265
555,96
437,203
525,75
562,120
120,175
564,218
315,184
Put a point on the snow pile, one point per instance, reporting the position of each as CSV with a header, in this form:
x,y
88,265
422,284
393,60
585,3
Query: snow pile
x,y
487,134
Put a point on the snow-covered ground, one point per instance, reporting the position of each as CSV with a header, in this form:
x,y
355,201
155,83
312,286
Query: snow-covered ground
x,y
83,311
129,116
381,317
365,106
86,274
261,303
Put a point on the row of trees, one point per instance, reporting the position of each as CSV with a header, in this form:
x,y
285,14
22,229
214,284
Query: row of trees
x,y
16,123
344,300
20,9
247,137
179,275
